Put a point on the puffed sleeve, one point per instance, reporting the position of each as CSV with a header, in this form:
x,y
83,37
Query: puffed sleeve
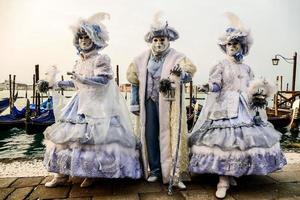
x,y
131,74
189,69
132,77
103,67
215,77
251,74
102,72
64,84
188,66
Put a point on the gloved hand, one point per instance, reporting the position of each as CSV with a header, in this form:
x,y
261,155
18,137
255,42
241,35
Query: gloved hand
x,y
203,88
176,70
74,75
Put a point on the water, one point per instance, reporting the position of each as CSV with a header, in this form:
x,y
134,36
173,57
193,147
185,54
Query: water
x,y
15,143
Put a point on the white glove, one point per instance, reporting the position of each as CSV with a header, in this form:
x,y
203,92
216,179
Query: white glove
x,y
203,88
176,70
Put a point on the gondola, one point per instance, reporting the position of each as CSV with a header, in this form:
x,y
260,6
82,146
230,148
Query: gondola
x,y
14,120
281,120
40,123
17,118
4,103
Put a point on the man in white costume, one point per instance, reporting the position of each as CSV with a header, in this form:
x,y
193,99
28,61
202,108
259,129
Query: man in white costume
x,y
157,119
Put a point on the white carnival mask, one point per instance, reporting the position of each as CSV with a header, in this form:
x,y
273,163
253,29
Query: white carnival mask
x,y
160,44
85,43
233,47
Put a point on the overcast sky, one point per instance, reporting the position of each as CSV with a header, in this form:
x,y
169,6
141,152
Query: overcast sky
x,y
37,32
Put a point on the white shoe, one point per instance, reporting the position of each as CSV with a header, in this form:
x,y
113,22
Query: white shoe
x,y
221,191
152,178
180,185
56,181
222,187
232,181
86,182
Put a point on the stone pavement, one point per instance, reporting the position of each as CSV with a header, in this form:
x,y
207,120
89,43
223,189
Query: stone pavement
x,y
284,184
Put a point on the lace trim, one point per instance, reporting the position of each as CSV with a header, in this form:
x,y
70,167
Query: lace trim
x,y
72,121
207,126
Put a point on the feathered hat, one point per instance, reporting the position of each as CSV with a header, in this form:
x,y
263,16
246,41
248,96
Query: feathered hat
x,y
93,28
237,31
161,29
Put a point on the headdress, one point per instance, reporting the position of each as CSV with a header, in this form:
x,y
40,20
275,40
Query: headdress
x,y
236,31
161,29
93,28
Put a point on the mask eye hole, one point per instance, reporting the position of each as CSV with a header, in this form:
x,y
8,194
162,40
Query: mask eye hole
x,y
158,39
83,37
233,43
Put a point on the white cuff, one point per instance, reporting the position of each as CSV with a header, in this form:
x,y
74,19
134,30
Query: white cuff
x,y
134,108
210,87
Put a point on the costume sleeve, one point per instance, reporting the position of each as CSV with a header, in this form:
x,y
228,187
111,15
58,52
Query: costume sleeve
x,y
64,84
135,101
102,72
103,67
215,78
215,87
132,77
96,80
251,74
188,68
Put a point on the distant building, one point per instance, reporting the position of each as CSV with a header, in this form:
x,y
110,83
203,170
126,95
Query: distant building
x,y
19,86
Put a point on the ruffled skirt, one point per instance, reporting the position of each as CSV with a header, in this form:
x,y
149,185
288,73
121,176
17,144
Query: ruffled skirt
x,y
236,146
83,146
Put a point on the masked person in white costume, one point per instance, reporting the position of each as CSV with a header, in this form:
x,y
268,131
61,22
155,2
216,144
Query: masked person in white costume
x,y
228,139
93,136
158,121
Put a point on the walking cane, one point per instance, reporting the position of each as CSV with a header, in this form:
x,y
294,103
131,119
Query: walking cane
x,y
175,160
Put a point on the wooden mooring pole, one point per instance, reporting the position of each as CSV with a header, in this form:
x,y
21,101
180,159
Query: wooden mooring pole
x,y
14,88
10,94
117,78
280,83
38,100
33,89
26,90
191,96
62,90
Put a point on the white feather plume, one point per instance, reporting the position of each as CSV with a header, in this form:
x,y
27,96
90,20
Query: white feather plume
x,y
267,87
101,37
94,19
51,73
157,20
235,21
98,17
